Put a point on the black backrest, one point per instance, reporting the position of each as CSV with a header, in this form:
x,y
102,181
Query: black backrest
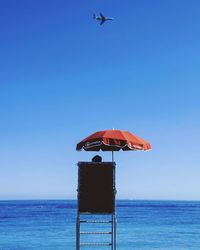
x,y
96,187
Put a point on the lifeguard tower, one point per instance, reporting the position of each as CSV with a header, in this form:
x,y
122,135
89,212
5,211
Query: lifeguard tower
x,y
96,187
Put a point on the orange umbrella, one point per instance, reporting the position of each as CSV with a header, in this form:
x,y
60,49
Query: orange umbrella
x,y
113,140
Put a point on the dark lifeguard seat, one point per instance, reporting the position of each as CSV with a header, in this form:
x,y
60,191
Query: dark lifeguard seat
x,y
96,187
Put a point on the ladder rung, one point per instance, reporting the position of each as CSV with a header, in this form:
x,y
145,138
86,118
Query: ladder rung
x,y
95,232
96,244
95,221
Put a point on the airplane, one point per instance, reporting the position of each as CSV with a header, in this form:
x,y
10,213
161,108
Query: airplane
x,y
101,18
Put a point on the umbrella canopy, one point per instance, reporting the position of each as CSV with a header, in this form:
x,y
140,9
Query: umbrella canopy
x,y
113,140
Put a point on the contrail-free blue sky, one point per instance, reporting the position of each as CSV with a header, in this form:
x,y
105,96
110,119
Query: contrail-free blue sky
x,y
63,77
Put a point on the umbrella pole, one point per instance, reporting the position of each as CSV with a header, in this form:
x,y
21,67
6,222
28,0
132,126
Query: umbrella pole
x,y
112,156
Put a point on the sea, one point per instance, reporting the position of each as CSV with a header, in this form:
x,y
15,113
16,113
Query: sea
x,y
141,225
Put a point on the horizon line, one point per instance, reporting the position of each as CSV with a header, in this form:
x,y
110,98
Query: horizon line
x,y
121,199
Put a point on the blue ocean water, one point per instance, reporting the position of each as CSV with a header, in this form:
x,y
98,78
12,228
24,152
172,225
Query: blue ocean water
x,y
142,225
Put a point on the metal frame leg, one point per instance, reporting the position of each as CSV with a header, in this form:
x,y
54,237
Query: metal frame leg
x,y
115,233
78,232
114,230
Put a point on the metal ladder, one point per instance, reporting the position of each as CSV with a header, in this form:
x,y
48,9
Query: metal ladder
x,y
111,231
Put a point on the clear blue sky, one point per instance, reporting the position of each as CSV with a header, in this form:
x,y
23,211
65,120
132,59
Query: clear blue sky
x,y
63,77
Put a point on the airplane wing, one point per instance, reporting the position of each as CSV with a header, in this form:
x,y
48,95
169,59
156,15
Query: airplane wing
x,y
102,21
102,16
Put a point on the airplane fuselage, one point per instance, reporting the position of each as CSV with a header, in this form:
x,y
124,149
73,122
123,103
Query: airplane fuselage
x,y
106,18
